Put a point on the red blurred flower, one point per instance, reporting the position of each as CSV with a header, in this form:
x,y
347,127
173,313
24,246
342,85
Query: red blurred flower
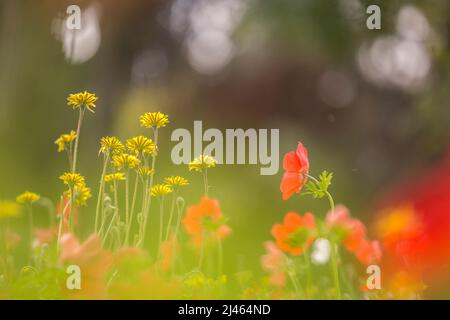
x,y
296,167
353,235
296,234
274,261
205,221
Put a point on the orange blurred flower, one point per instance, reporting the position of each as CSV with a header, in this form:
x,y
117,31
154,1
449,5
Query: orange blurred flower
x,y
405,285
296,167
169,250
205,221
94,263
275,263
296,234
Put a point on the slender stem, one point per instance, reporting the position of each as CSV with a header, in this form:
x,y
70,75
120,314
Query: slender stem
x,y
127,201
219,256
133,203
334,268
149,200
308,274
205,181
161,224
75,151
71,212
61,223
30,217
334,264
202,252
172,209
101,192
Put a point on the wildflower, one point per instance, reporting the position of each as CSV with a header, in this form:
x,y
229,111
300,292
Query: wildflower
x,y
72,179
111,145
126,161
44,236
405,285
275,262
168,250
81,194
296,167
82,100
119,176
296,234
145,171
9,209
205,220
154,120
176,181
141,145
321,251
28,197
64,140
353,235
160,190
202,162
92,260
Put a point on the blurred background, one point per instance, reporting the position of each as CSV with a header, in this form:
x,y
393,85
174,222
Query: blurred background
x,y
370,105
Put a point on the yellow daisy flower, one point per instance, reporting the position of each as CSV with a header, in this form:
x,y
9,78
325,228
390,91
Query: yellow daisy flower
x,y
119,176
126,161
141,145
64,140
154,120
145,171
160,190
72,179
9,209
81,194
202,162
28,197
176,181
111,145
82,100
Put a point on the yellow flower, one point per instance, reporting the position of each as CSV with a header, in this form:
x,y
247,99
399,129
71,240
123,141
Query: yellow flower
x,y
145,171
176,181
72,179
141,145
126,161
81,194
119,176
160,190
202,162
111,145
154,120
28,197
82,100
64,140
9,209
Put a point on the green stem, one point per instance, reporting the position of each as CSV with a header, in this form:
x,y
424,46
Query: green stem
x,y
133,203
205,181
127,201
172,209
30,217
71,213
75,151
219,256
161,224
334,263
149,198
101,192
202,252
308,274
